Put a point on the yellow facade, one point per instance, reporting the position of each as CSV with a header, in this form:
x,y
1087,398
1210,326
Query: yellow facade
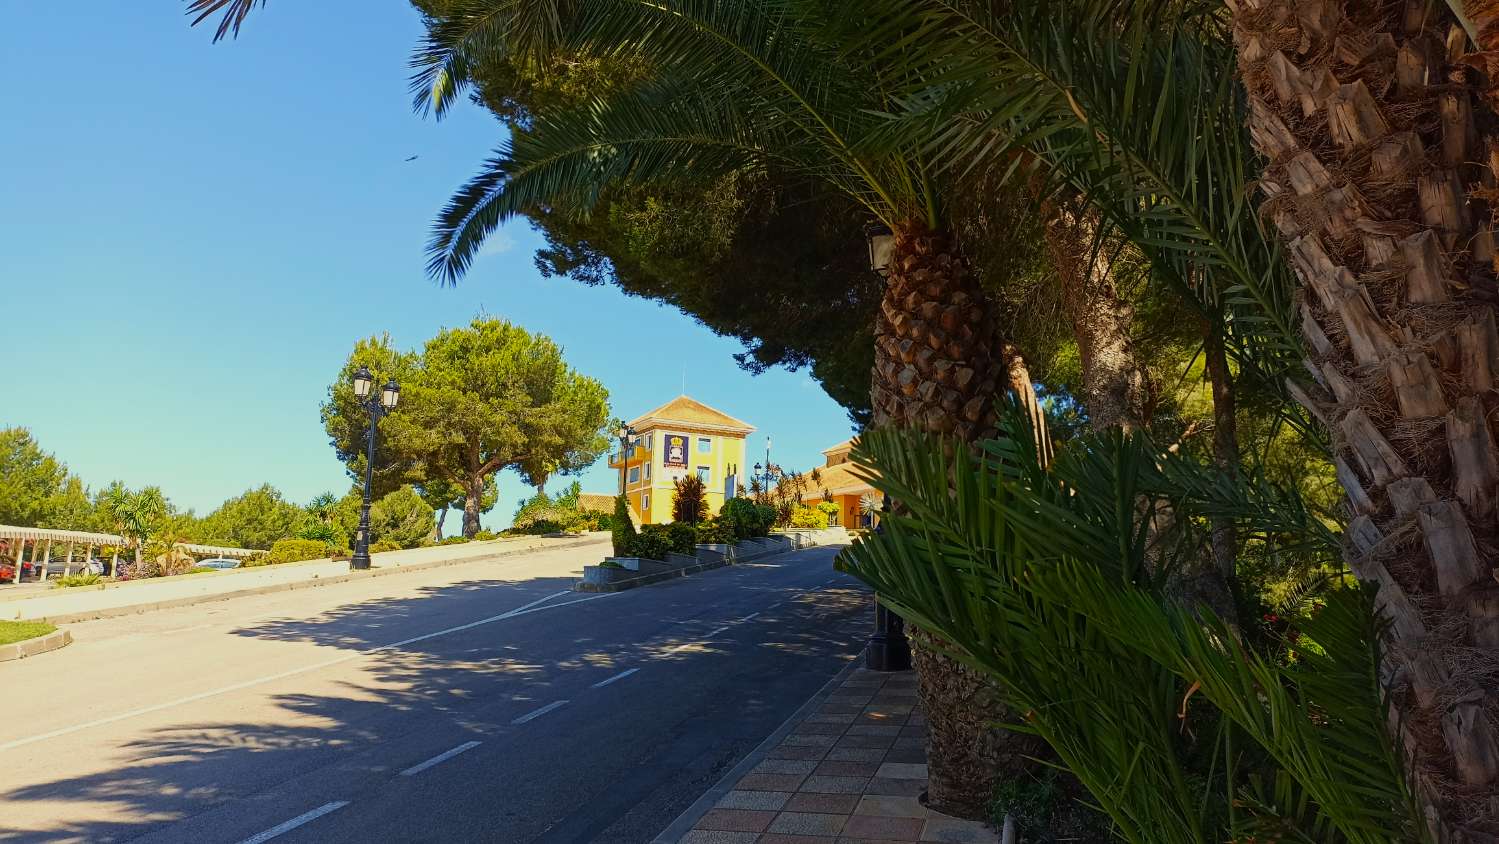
x,y
839,483
707,442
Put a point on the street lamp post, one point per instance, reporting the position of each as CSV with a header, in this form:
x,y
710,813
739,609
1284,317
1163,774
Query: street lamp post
x,y
624,432
378,407
888,649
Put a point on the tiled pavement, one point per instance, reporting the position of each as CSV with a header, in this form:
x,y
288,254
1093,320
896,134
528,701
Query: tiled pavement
x,y
849,773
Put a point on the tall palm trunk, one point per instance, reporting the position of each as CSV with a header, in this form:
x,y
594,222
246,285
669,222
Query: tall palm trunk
x,y
1368,128
1226,455
1114,386
938,367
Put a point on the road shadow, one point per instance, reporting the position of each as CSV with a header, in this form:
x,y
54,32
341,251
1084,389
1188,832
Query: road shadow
x,y
349,734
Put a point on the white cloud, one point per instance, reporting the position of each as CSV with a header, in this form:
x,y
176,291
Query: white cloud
x,y
497,244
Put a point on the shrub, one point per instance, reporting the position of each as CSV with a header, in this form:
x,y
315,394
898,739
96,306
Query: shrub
x,y
652,542
610,564
385,545
715,532
740,516
322,532
767,519
596,520
201,570
623,530
85,579
683,537
403,518
689,500
485,535
292,551
807,517
454,540
537,527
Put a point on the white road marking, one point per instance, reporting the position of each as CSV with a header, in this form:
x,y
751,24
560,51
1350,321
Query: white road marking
x,y
712,633
620,676
146,710
748,617
305,817
439,759
533,715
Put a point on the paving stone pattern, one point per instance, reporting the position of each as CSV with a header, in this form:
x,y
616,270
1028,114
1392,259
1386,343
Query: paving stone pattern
x,y
850,773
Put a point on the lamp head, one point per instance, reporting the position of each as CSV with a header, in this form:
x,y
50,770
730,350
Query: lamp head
x,y
363,380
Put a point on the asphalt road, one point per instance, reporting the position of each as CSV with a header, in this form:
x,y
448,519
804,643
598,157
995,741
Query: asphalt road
x,y
481,702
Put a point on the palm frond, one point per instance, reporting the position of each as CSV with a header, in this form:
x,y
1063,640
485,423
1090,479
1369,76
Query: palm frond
x,y
739,85
1015,565
1131,104
234,14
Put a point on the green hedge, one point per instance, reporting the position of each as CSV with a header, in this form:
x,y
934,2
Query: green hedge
x,y
291,551
746,518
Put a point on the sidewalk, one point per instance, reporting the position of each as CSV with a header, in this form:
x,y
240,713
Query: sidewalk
x,y
78,603
850,771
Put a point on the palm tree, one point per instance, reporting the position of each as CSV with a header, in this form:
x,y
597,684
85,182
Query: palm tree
x,y
748,86
136,515
1378,147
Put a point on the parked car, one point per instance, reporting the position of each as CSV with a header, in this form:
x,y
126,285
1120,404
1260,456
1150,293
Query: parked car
x,y
218,563
29,571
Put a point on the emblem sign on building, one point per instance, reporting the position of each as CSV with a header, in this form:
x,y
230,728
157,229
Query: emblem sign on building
x,y
675,448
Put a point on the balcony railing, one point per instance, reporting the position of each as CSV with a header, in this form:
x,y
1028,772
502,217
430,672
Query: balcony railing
x,y
637,454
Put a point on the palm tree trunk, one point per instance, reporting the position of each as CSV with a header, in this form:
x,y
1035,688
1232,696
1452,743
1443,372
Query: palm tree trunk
x,y
938,368
1368,127
1114,384
1226,454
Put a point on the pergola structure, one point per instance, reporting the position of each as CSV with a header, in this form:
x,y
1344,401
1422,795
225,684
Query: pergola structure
x,y
43,540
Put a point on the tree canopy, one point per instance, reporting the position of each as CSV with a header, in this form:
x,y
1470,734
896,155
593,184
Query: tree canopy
x,y
474,401
253,519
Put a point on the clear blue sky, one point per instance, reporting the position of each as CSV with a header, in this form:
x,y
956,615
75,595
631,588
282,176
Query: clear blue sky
x,y
193,235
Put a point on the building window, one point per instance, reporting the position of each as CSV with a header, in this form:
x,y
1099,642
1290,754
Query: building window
x,y
647,471
730,487
634,474
704,474
704,445
645,504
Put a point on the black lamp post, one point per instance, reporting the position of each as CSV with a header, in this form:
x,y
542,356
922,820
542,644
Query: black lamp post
x,y
624,433
377,406
888,649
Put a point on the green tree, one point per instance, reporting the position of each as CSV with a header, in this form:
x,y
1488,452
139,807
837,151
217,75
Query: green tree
x,y
442,496
135,515
474,401
347,422
493,396
402,517
30,479
254,519
689,500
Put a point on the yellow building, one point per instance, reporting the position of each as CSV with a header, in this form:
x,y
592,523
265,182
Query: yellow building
x,y
680,437
852,494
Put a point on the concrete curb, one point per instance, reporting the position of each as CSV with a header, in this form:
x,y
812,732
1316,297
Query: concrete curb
x,y
647,579
688,819
31,647
136,609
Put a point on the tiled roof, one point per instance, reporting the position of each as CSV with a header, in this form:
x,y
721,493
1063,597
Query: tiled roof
x,y
837,480
843,446
600,501
689,411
